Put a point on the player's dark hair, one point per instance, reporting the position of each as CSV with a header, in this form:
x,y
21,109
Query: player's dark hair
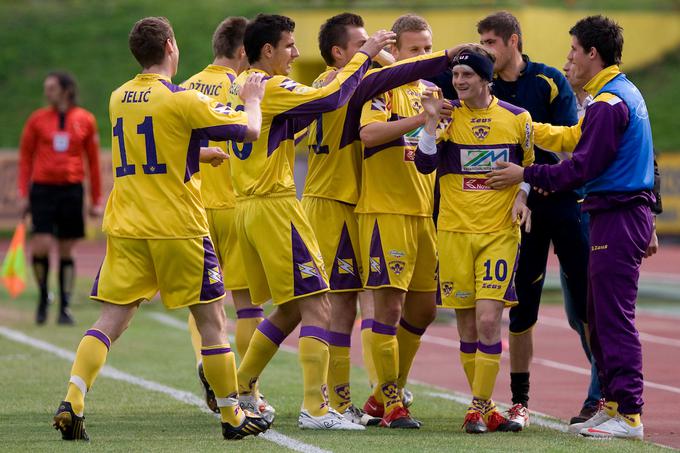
x,y
409,22
67,83
147,40
265,29
228,37
503,24
334,33
602,33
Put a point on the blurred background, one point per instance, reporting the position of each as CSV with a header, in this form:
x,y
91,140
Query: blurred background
x,y
89,39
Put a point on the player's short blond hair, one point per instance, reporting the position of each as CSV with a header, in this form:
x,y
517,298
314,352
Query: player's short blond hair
x,y
409,22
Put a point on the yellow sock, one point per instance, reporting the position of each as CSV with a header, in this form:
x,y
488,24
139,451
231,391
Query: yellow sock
x,y
263,345
632,419
487,364
314,357
219,366
386,358
247,320
468,353
338,371
366,351
611,408
408,337
195,338
90,358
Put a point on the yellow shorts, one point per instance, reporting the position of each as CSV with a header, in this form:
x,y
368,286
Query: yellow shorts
x,y
223,235
280,253
398,251
185,271
337,231
474,266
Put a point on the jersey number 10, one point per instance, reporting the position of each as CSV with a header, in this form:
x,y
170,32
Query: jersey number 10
x,y
152,167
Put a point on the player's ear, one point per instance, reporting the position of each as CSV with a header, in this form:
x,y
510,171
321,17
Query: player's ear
x,y
394,50
267,50
336,52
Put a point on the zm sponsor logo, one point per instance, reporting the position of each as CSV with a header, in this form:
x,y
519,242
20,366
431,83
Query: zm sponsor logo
x,y
397,266
375,264
475,160
447,288
308,269
397,253
595,248
475,184
345,266
480,132
214,275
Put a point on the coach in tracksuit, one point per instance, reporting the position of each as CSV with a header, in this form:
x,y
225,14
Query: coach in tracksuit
x,y
614,159
545,93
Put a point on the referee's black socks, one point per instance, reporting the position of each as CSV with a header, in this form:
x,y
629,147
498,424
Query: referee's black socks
x,y
519,385
66,280
41,269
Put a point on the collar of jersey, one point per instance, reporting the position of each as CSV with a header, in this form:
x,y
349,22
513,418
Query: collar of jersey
x,y
494,102
152,76
220,69
601,79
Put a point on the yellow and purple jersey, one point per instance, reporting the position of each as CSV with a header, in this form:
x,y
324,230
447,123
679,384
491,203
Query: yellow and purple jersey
x,y
217,190
265,167
335,150
157,132
390,182
467,150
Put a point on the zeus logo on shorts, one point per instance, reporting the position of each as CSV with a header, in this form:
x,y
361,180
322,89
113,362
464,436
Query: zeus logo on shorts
x,y
308,270
476,160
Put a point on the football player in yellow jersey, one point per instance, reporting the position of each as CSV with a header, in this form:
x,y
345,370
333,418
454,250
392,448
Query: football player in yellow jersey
x,y
280,251
397,234
219,201
332,190
157,232
478,229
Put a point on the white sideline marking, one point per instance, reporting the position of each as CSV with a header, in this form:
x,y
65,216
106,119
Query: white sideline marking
x,y
446,342
179,395
562,323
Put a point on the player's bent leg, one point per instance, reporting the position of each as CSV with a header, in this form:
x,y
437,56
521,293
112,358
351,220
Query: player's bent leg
x,y
219,366
248,317
90,358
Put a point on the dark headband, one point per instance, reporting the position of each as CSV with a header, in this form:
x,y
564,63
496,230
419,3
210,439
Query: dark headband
x,y
482,65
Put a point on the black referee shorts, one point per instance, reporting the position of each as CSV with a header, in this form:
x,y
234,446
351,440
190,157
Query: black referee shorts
x,y
57,210
557,219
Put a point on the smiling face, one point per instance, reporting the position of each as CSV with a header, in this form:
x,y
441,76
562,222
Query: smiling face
x,y
282,56
468,84
412,44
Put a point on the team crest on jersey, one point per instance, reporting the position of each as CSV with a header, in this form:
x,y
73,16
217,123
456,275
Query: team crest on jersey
x,y
345,266
308,269
475,160
480,132
214,275
447,288
375,264
397,266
